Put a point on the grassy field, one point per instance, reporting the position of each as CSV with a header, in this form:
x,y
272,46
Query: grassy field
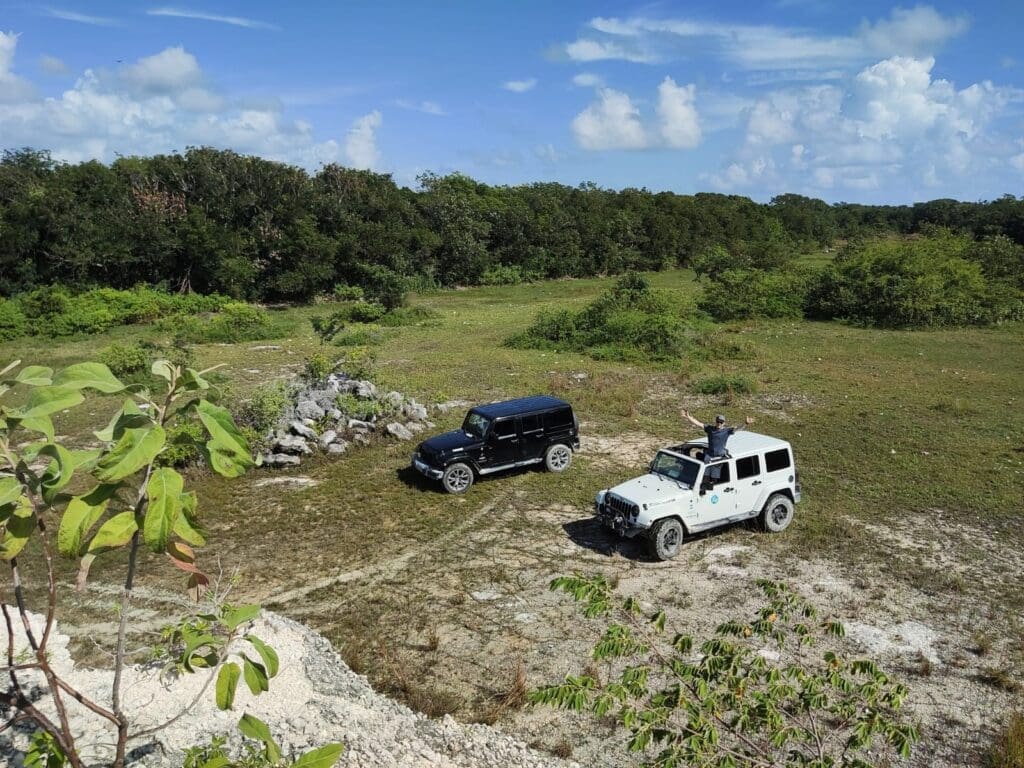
x,y
910,447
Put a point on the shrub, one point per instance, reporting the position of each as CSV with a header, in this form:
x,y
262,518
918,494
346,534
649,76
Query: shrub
x,y
236,321
741,294
355,408
725,384
502,274
630,322
366,312
344,292
12,320
916,283
357,362
126,359
183,447
410,316
382,285
318,365
262,411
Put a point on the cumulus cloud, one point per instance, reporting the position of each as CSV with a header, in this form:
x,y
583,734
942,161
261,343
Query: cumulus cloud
x,y
160,103
361,143
680,125
916,32
51,65
612,122
894,124
520,86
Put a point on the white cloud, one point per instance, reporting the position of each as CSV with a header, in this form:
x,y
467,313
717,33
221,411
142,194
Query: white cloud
x,y
427,107
893,125
361,143
1017,161
81,18
680,124
51,65
916,32
587,80
170,70
550,155
612,122
235,21
520,86
158,104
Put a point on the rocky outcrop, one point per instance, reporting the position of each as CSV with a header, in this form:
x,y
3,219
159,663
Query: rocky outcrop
x,y
314,699
334,413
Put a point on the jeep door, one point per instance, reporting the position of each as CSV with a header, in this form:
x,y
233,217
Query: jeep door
x,y
749,485
502,443
532,441
716,497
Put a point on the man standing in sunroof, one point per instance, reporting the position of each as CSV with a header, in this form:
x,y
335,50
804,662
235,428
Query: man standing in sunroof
x,y
717,434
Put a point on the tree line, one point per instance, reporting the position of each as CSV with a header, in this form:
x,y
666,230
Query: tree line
x,y
214,221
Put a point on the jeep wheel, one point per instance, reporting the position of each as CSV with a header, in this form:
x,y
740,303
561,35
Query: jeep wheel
x,y
666,538
457,478
558,457
777,513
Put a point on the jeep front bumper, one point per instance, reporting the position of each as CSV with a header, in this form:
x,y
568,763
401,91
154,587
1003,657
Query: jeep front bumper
x,y
617,521
425,469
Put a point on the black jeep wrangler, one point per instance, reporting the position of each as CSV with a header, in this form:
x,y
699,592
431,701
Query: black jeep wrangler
x,y
515,433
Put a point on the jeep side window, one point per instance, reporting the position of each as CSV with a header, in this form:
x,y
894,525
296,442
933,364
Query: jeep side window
x,y
503,430
748,466
531,424
776,460
558,419
716,474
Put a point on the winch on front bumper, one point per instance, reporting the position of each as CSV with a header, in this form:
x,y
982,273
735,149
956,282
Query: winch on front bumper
x,y
618,515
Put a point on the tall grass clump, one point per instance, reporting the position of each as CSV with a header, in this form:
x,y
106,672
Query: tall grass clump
x,y
236,321
631,322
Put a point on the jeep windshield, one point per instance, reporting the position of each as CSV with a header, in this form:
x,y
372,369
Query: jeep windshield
x,y
475,424
676,468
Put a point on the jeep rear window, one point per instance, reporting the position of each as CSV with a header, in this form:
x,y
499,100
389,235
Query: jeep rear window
x,y
747,467
531,424
776,460
558,419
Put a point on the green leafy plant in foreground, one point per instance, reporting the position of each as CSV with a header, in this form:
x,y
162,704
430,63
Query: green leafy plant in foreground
x,y
85,504
753,694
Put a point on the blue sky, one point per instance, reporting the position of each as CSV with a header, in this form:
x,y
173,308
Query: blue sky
x,y
866,102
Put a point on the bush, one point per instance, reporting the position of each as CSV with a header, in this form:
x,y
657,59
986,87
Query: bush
x,y
631,322
126,359
183,446
916,283
344,292
741,294
357,362
410,316
366,312
12,320
726,384
236,321
318,365
261,412
502,274
354,408
382,285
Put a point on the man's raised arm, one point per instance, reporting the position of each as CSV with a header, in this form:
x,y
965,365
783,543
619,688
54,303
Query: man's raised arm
x,y
687,417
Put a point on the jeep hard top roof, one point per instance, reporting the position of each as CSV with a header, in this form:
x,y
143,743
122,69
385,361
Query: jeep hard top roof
x,y
742,443
520,405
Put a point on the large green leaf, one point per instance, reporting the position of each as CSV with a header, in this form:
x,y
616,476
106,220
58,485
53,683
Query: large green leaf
x,y
134,450
35,376
225,461
268,654
42,424
256,729
10,490
162,368
227,451
255,676
185,530
114,533
234,617
79,518
89,376
227,684
164,494
17,529
321,757
63,465
129,417
46,400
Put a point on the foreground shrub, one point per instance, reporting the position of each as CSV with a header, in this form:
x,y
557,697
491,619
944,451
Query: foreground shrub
x,y
366,312
724,701
742,294
918,283
126,359
630,322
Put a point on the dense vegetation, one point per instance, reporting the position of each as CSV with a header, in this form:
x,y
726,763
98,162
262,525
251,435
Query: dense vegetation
x,y
218,222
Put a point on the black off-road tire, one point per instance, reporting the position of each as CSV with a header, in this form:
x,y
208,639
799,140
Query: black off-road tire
x,y
457,477
777,513
558,457
666,538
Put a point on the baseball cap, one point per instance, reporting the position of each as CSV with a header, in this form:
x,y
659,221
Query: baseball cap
x,y
719,419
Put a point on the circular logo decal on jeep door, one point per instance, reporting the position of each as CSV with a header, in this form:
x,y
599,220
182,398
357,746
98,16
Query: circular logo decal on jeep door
x,y
714,499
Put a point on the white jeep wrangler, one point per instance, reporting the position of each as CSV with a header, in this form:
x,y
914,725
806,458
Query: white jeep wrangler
x,y
681,494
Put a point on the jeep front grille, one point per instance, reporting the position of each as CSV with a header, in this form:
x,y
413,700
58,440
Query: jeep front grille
x,y
622,506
